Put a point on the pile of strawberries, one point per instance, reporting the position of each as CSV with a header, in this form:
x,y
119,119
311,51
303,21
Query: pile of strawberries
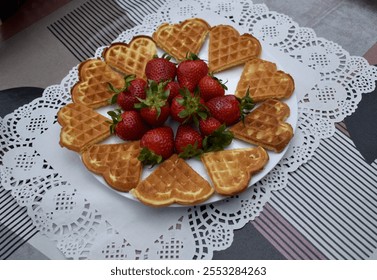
x,y
185,93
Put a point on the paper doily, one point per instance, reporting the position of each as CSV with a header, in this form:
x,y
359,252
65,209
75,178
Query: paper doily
x,y
66,204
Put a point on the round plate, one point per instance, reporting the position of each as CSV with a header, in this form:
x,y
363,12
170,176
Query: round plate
x,y
231,77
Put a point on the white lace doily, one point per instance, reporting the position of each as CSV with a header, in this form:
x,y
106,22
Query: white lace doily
x,y
88,221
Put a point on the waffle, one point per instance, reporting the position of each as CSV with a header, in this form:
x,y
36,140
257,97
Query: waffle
x,y
131,58
92,88
264,81
227,48
265,126
231,170
179,39
173,181
81,127
117,163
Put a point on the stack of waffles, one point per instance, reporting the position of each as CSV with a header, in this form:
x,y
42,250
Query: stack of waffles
x,y
174,180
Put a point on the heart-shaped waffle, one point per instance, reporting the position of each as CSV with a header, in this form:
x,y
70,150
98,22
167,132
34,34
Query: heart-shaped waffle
x,y
265,126
227,48
117,163
81,127
92,89
264,81
231,170
131,58
173,181
180,39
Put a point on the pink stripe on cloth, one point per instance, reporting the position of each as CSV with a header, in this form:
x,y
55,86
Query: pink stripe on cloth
x,y
284,237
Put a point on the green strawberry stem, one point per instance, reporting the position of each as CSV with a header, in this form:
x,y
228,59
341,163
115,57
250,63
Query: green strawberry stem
x,y
192,56
193,107
246,104
127,81
218,140
191,151
116,117
148,157
156,97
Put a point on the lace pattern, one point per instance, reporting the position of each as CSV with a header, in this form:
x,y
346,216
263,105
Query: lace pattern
x,y
65,213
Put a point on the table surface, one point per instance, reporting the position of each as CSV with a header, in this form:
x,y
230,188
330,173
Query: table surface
x,y
41,46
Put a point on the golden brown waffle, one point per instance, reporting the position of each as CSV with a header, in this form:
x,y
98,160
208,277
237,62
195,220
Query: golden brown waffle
x,y
265,126
117,163
227,48
81,127
179,39
131,58
92,89
231,170
173,181
264,81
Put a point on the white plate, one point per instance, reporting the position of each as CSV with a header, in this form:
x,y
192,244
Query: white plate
x,y
304,78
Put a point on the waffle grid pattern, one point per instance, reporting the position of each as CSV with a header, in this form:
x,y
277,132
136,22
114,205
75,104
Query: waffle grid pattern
x,y
227,48
265,126
173,181
92,89
179,39
81,126
231,170
131,58
264,81
117,163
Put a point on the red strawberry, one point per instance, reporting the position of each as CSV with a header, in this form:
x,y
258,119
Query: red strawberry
x,y
187,107
210,87
188,141
225,108
157,144
155,116
190,71
173,88
155,109
228,109
127,97
208,126
127,125
160,69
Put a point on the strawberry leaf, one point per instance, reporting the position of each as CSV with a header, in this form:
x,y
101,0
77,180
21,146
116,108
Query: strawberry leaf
x,y
193,108
116,118
113,99
127,80
218,140
191,56
148,157
191,151
246,104
156,97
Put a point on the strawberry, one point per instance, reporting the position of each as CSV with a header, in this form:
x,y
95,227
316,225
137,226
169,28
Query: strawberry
x,y
187,107
155,109
155,116
127,97
208,126
210,87
225,108
160,69
228,109
157,145
188,141
190,71
173,88
127,125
